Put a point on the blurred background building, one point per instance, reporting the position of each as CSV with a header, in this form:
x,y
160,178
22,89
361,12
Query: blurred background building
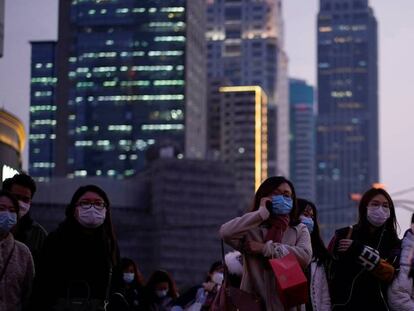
x,y
246,47
42,110
347,130
302,138
244,140
12,141
129,75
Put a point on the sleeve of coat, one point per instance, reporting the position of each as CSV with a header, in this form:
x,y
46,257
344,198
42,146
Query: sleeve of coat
x,y
302,249
400,292
233,231
326,298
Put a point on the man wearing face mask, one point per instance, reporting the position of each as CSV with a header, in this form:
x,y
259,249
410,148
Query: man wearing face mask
x,y
29,231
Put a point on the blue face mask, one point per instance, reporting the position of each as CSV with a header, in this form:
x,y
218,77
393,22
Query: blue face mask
x,y
7,220
281,205
308,222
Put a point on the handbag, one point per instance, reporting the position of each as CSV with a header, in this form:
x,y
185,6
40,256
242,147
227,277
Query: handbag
x,y
78,303
230,298
291,282
84,303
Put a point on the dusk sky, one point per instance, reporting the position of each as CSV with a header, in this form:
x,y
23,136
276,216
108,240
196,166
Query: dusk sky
x,y
37,20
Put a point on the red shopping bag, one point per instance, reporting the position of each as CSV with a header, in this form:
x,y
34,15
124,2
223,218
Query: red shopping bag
x,y
291,282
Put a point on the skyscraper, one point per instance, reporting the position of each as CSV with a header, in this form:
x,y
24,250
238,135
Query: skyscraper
x,y
243,143
302,138
245,47
347,131
130,75
42,110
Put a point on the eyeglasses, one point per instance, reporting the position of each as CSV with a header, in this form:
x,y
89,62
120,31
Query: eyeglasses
x,y
99,205
375,205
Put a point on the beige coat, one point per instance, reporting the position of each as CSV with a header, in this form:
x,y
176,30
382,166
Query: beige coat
x,y
16,284
256,278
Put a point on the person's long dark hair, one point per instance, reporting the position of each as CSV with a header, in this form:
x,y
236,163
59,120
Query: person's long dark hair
x,y
108,229
319,250
390,225
139,278
267,187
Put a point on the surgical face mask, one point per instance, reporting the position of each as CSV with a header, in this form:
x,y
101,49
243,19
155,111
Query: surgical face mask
x,y
7,220
24,208
308,222
378,215
90,217
128,277
161,293
217,278
281,205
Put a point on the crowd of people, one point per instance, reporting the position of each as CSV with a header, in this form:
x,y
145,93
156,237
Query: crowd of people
x,y
79,267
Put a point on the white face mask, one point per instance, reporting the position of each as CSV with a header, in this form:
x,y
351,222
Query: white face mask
x,y
377,216
91,217
162,293
217,278
128,277
24,208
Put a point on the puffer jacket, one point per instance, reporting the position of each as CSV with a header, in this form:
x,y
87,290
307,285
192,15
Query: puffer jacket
x,y
319,290
401,291
257,278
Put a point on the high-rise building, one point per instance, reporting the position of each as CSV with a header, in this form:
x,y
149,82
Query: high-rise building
x,y
347,130
1,27
42,110
245,47
302,138
243,143
130,74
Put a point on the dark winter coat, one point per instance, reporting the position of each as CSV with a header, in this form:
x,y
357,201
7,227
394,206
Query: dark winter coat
x,y
31,234
352,286
71,258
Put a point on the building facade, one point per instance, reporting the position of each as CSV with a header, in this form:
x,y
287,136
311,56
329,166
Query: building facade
x,y
244,137
1,27
246,47
130,75
42,110
347,130
12,141
303,138
165,218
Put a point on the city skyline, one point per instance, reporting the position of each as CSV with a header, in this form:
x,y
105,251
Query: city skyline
x,y
300,19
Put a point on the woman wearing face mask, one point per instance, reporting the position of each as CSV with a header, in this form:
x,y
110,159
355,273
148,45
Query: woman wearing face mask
x,y
129,296
270,230
79,259
316,272
364,255
16,262
160,292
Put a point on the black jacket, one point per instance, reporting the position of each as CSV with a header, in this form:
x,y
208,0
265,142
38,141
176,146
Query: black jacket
x,y
352,287
32,234
72,260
